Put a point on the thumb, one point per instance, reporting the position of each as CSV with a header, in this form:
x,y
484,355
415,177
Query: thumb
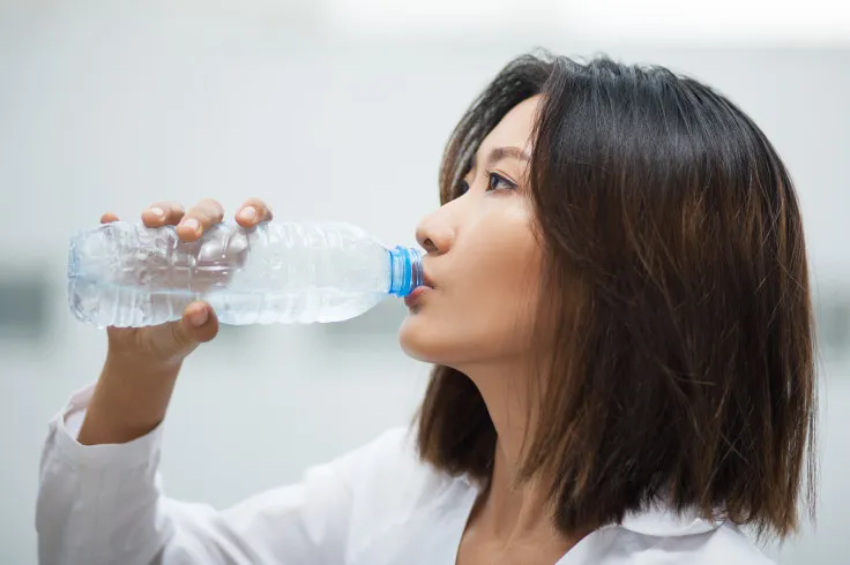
x,y
199,324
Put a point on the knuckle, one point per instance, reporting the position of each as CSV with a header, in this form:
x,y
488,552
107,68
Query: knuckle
x,y
206,218
169,208
194,214
263,209
174,207
211,206
179,337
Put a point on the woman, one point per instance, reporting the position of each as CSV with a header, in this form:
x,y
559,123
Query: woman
x,y
619,317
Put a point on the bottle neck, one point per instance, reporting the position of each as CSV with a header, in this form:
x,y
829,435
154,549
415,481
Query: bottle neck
x,y
405,270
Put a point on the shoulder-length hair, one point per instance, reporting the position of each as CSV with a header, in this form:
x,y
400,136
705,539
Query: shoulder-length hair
x,y
675,329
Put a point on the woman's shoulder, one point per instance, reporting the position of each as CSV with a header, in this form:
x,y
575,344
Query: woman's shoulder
x,y
726,544
735,547
389,466
392,488
392,491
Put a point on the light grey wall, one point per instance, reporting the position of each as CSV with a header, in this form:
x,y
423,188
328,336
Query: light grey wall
x,y
111,109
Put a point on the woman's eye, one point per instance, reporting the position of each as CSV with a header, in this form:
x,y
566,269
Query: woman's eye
x,y
497,181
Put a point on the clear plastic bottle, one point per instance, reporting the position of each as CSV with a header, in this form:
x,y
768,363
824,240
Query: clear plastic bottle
x,y
127,275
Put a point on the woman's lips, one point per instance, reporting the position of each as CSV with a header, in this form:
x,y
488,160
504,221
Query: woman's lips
x,y
416,295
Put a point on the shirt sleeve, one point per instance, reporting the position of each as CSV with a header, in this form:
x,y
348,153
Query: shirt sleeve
x,y
104,504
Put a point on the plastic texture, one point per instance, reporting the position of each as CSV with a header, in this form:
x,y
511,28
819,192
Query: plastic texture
x,y
127,275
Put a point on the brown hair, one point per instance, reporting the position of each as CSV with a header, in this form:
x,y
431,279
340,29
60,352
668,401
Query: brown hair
x,y
679,362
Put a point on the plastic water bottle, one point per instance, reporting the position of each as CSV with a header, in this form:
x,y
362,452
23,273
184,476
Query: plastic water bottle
x,y
127,275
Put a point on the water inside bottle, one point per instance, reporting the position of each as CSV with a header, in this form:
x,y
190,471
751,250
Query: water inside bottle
x,y
248,276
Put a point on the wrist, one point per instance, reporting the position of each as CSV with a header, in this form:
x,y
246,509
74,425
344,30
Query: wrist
x,y
130,399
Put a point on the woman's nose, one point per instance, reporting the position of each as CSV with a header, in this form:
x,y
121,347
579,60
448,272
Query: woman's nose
x,y
434,235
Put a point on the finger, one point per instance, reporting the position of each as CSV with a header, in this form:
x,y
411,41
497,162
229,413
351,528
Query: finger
x,y
252,212
108,218
206,214
199,323
162,214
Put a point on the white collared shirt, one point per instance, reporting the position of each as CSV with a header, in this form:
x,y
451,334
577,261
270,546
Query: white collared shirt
x,y
377,505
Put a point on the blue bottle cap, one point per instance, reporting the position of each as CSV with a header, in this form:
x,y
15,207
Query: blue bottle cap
x,y
405,270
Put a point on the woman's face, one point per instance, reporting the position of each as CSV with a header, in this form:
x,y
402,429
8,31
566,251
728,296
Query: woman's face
x,y
483,259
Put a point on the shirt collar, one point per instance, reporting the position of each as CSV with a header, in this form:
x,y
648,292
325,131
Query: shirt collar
x,y
662,520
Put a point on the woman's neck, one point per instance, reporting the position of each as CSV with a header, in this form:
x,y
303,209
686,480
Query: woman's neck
x,y
512,524
506,511
513,510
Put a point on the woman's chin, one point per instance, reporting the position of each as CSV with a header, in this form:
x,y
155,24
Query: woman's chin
x,y
419,340
410,338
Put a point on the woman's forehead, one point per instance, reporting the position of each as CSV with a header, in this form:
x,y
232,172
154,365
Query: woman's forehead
x,y
516,128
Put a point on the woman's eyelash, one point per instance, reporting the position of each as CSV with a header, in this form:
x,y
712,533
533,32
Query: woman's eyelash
x,y
497,178
492,178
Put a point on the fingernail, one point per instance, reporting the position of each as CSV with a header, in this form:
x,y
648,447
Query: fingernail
x,y
199,318
192,224
248,213
158,212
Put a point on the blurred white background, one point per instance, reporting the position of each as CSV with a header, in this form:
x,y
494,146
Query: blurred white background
x,y
339,110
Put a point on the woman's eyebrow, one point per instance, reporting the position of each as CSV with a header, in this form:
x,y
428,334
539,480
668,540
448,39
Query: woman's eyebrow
x,y
499,153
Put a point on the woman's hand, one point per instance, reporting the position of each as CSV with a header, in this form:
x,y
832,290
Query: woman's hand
x,y
168,344
135,386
